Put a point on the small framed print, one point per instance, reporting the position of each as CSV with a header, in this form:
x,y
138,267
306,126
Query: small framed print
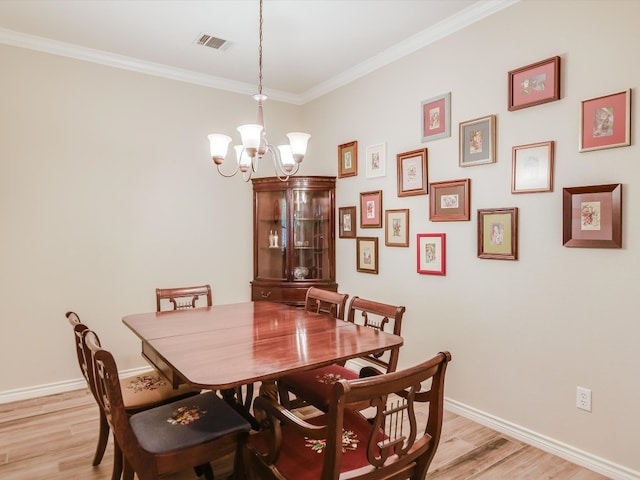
x,y
478,141
532,169
348,159
450,201
347,219
436,117
376,161
498,233
605,122
367,254
396,228
412,173
371,209
432,253
534,84
592,216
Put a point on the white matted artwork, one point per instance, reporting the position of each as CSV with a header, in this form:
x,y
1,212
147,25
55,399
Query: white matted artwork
x,y
376,162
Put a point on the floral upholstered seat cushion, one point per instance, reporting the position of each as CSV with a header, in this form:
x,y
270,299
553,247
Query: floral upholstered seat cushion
x,y
314,386
150,388
301,458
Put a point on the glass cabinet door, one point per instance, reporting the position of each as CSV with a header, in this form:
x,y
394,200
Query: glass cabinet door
x,y
271,234
311,234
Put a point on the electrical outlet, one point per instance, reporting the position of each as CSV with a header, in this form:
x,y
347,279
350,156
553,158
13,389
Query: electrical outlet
x,y
583,398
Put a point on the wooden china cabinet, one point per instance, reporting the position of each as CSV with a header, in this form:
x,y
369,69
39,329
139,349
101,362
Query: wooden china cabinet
x,y
293,238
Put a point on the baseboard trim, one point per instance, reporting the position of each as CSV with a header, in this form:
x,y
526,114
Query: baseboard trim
x,y
560,449
54,388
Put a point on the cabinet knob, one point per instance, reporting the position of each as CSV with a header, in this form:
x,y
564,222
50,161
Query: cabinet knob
x,y
264,294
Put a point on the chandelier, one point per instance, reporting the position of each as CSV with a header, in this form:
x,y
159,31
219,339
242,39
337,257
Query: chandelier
x,y
286,158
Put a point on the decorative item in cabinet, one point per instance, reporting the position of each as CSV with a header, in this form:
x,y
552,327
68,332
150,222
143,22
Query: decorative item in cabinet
x,y
294,238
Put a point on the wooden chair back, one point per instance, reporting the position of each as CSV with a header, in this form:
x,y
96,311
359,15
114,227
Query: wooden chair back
x,y
183,297
398,442
383,317
326,302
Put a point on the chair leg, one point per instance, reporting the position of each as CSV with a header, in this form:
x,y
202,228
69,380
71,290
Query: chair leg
x,y
117,461
128,471
103,438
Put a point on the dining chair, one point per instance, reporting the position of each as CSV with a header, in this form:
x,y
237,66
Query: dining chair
x,y
180,298
314,386
320,301
398,442
184,297
326,302
169,438
139,392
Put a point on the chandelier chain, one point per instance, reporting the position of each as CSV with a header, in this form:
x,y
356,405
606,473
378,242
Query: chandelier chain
x,y
260,53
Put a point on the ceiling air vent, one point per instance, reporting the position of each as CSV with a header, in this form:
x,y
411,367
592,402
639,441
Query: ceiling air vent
x,y
211,42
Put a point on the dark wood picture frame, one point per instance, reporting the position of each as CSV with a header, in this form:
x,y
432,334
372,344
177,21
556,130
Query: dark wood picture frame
x,y
431,253
477,142
532,168
436,117
348,159
498,233
347,222
371,209
396,226
450,201
534,84
413,173
367,254
605,122
592,216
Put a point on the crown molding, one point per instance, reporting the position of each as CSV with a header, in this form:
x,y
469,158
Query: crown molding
x,y
468,16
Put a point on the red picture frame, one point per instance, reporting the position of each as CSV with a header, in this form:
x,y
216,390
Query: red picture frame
x,y
371,209
534,84
605,122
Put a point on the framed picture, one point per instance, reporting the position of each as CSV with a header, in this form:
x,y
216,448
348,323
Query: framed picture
x,y
367,254
532,168
605,122
534,84
498,233
478,141
412,173
592,216
376,161
348,159
436,117
450,201
432,253
371,209
396,228
347,219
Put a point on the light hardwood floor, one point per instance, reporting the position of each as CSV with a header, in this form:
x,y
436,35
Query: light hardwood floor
x,y
55,437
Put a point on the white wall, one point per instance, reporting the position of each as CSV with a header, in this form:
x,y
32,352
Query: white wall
x,y
525,333
107,191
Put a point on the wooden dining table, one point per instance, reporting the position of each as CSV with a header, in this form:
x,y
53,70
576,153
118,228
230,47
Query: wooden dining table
x,y
227,346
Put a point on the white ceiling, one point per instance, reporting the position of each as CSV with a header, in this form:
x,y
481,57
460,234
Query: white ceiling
x,y
310,47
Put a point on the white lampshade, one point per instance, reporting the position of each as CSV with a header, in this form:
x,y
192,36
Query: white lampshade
x,y
251,135
298,142
219,145
242,157
286,157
